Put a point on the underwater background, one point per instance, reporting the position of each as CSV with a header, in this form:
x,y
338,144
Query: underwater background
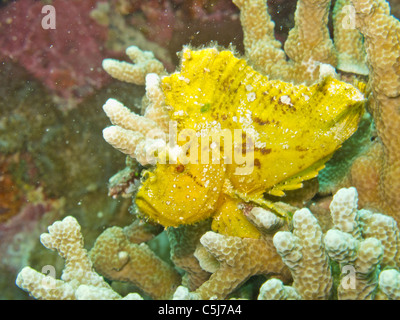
x,y
54,161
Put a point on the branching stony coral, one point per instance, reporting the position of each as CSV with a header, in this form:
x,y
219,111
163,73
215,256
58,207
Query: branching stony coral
x,y
137,135
361,243
349,44
79,280
134,134
119,254
116,257
382,42
233,260
239,259
144,63
303,252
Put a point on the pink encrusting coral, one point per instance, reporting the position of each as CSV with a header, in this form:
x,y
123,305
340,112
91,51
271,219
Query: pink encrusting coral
x,y
66,59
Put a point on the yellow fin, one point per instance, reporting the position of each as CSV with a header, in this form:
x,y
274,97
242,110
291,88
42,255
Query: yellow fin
x,y
296,182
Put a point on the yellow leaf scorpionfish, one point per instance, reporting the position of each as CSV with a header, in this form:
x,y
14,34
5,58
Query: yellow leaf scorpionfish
x,y
238,137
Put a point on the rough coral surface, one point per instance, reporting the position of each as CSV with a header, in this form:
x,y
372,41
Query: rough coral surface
x,y
348,40
309,42
239,258
389,284
304,253
144,62
352,248
274,289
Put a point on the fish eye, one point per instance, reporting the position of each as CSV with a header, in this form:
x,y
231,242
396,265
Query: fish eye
x,y
180,168
145,176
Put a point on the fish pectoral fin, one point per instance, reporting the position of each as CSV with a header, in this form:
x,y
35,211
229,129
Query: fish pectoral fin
x,y
296,181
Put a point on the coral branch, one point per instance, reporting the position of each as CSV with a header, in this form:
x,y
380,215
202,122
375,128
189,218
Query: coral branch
x,y
389,283
263,51
382,41
303,252
275,290
309,40
239,258
134,135
144,63
115,257
78,281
